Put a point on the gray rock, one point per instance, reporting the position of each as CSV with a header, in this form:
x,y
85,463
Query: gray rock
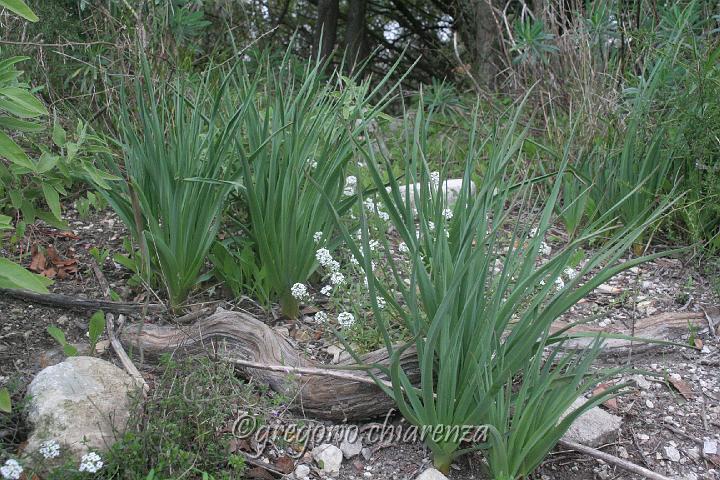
x,y
451,188
594,427
302,472
351,449
431,474
710,447
82,403
328,457
671,453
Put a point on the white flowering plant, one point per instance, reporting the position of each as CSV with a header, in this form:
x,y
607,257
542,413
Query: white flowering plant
x,y
479,301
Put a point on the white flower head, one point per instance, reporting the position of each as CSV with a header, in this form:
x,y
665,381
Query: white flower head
x,y
570,273
354,260
299,291
431,226
317,237
326,290
324,257
369,204
337,278
334,266
91,463
350,184
381,302
11,470
321,317
435,179
50,449
403,248
559,284
346,319
384,216
374,245
448,214
545,249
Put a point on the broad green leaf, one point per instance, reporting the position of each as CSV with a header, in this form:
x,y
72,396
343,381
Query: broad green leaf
x,y
70,350
19,7
5,402
47,162
53,200
11,151
12,123
5,222
96,326
59,136
21,102
57,334
14,276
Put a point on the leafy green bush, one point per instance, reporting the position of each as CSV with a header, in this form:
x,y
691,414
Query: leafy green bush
x,y
479,303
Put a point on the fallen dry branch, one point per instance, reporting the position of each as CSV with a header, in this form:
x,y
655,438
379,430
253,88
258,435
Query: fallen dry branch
x,y
114,342
58,300
668,326
315,391
613,460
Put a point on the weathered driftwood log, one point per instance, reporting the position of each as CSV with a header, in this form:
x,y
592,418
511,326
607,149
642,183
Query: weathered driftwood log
x,y
238,336
235,335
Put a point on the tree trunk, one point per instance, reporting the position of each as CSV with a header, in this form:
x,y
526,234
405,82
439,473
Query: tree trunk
x,y
356,44
326,28
479,33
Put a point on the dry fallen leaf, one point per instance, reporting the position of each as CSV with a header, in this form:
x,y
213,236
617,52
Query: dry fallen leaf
x,y
698,343
38,262
611,404
285,464
682,387
259,473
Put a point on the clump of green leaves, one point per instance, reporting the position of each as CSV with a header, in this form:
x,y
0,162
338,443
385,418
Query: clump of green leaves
x,y
96,327
175,147
479,302
294,146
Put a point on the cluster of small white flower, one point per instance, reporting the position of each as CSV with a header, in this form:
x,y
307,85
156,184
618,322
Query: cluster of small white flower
x,y
11,470
299,292
337,278
326,290
435,180
374,245
381,302
325,259
403,248
317,237
372,207
50,449
570,273
321,317
350,185
91,463
559,284
448,214
346,319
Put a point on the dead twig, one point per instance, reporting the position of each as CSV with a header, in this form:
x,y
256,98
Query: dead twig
x,y
335,373
613,460
110,327
59,300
